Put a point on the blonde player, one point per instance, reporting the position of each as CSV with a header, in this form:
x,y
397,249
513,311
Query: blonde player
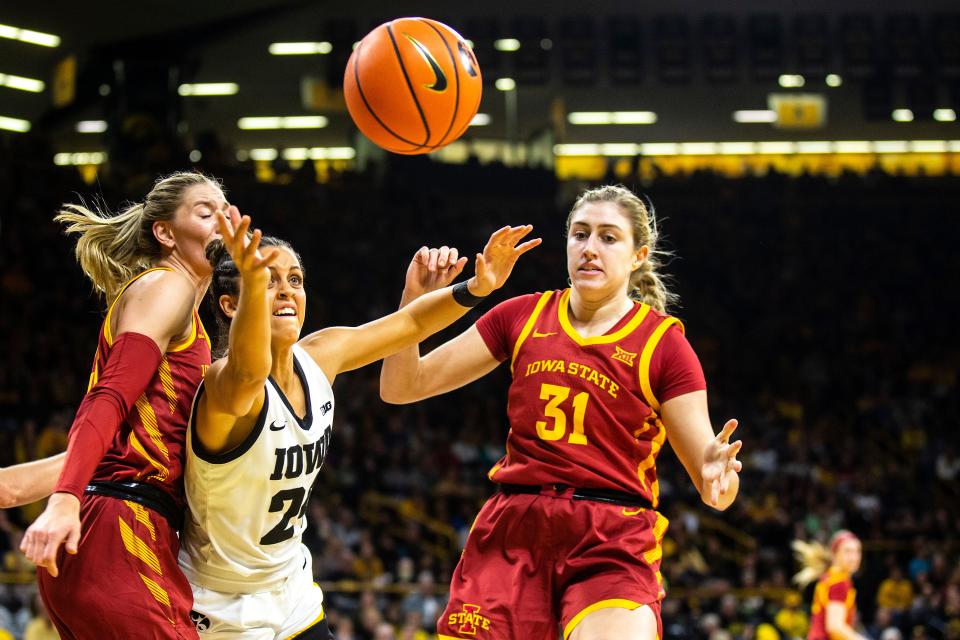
x,y
834,607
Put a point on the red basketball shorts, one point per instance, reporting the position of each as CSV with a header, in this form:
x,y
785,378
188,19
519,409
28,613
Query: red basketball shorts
x,y
124,581
536,565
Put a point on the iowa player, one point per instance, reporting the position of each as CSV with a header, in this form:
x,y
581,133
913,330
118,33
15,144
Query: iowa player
x,y
118,502
834,609
602,378
261,427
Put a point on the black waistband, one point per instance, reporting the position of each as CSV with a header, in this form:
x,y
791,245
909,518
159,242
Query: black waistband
x,y
144,494
597,495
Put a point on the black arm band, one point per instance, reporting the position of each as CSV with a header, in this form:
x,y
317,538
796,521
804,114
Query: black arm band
x,y
463,296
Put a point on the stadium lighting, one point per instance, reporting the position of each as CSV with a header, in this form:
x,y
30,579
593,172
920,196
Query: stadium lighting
x,y
28,36
21,83
505,84
902,115
611,117
506,44
776,147
319,153
754,116
779,147
281,122
299,48
852,146
890,146
944,115
833,80
14,124
480,120
791,80
79,159
209,89
91,126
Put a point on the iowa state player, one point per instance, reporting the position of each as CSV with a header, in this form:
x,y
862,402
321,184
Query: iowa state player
x,y
261,428
119,499
834,610
600,381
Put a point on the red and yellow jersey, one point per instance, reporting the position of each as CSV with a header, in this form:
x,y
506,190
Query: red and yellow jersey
x,y
585,411
834,586
148,447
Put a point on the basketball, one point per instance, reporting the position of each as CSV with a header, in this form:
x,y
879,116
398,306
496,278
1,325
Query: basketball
x,y
412,85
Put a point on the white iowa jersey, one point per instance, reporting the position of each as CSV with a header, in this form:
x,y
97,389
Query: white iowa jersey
x,y
246,508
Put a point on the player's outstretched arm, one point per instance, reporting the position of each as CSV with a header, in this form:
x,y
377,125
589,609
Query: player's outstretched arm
x,y
340,349
28,482
710,460
234,384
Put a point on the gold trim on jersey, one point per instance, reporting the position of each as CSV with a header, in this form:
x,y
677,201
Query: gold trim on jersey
x,y
162,472
650,462
160,595
149,420
620,334
311,625
166,380
528,327
95,373
180,345
613,603
141,515
643,369
107,333
136,546
659,530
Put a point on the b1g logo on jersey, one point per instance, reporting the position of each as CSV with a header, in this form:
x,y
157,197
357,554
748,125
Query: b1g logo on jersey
x,y
469,619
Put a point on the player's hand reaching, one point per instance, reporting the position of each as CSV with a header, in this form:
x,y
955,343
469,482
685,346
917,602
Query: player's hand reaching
x,y
720,465
58,524
499,256
432,269
252,264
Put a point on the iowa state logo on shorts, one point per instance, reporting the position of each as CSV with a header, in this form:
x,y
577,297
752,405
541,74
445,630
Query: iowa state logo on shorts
x,y
469,619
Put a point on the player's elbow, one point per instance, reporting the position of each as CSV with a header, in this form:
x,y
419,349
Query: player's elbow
x,y
391,394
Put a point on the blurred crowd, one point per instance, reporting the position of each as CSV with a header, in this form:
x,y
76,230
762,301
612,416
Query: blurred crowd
x,y
821,309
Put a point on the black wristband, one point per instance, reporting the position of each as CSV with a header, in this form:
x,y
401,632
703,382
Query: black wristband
x,y
463,296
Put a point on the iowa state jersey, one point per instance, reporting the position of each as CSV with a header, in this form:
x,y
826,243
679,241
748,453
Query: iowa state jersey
x,y
148,446
584,411
834,586
246,507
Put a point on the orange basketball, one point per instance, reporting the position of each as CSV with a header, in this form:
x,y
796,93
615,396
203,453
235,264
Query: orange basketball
x,y
412,85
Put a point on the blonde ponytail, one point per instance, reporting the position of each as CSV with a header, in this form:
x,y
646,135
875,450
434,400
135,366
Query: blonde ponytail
x,y
814,560
647,284
111,249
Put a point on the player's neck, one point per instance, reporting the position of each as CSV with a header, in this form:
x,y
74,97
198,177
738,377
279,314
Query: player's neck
x,y
201,282
598,311
281,369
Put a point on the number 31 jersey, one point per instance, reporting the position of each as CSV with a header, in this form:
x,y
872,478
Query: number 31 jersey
x,y
246,507
584,412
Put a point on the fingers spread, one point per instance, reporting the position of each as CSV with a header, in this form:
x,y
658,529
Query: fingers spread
x,y
728,429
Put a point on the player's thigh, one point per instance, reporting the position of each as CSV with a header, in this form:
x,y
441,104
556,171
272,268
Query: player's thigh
x,y
617,623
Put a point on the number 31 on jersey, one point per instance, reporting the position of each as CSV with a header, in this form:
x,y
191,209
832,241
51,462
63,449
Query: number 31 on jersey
x,y
555,395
